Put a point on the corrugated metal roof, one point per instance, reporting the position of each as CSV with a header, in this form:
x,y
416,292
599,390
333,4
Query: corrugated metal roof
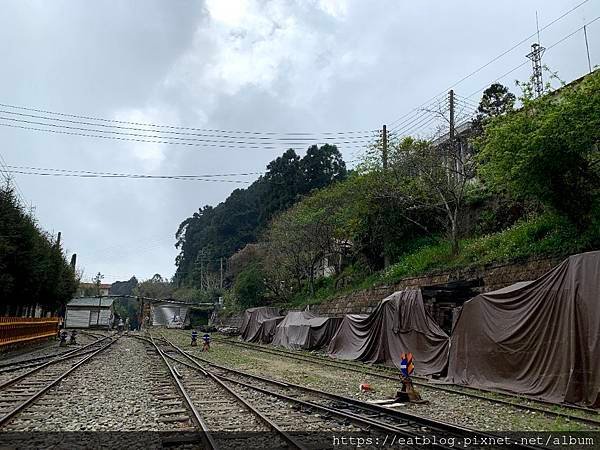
x,y
105,302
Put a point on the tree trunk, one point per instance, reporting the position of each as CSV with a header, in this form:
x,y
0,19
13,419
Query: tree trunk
x,y
454,237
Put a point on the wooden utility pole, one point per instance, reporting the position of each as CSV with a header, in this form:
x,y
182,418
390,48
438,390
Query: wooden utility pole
x,y
587,48
58,240
384,148
221,284
202,270
73,260
384,161
451,101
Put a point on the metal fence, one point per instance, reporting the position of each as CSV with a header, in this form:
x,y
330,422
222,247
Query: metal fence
x,y
14,330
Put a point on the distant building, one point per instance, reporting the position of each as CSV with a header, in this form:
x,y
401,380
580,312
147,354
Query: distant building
x,y
90,289
334,262
89,312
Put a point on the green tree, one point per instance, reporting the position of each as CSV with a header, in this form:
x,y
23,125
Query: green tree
x,y
155,287
496,101
97,280
33,267
548,150
249,287
218,232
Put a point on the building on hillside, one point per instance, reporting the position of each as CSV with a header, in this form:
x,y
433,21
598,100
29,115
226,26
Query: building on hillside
x,y
89,312
90,289
335,261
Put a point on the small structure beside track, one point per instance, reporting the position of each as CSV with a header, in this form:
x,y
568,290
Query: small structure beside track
x,y
90,312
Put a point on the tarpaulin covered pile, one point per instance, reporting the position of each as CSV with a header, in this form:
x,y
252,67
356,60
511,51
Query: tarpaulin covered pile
x,y
398,325
305,330
540,339
259,324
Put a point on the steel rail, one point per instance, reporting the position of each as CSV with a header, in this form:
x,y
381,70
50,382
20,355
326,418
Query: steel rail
x,y
196,366
208,439
417,421
27,366
30,362
42,357
432,423
375,372
7,417
69,355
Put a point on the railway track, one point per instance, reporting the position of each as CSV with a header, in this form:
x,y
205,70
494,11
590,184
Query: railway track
x,y
579,414
23,390
222,418
316,410
24,363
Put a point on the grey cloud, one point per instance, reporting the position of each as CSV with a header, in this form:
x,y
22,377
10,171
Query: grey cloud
x,y
309,71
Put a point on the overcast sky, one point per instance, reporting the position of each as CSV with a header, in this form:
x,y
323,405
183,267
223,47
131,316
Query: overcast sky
x,y
273,66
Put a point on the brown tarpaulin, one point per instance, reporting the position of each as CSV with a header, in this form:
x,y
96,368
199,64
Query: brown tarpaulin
x,y
399,324
259,324
540,339
305,330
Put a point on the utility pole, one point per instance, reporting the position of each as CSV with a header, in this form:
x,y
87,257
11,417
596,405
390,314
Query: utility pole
x,y
384,148
451,101
202,269
73,260
587,48
58,240
384,163
450,156
221,284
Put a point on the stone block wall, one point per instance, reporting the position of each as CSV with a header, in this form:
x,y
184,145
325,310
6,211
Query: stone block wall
x,y
492,277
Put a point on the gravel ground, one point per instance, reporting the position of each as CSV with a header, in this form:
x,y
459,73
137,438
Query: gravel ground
x,y
449,407
112,392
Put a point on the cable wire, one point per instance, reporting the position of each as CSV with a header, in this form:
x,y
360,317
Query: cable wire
x,y
564,38
504,53
173,127
156,141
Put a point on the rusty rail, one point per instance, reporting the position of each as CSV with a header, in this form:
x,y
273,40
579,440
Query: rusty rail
x,y
14,330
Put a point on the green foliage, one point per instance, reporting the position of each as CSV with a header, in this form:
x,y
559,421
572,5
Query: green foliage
x,y
155,287
124,287
496,101
33,268
128,308
249,287
547,234
215,232
548,151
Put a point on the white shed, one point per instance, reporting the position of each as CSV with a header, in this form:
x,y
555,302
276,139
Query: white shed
x,y
89,312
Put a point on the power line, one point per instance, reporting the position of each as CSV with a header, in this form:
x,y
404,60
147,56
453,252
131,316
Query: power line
x,y
173,127
517,44
160,134
155,141
564,38
423,112
129,176
4,168
466,101
176,138
210,175
500,55
430,102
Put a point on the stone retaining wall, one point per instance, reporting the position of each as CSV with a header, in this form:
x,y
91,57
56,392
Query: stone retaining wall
x,y
491,277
